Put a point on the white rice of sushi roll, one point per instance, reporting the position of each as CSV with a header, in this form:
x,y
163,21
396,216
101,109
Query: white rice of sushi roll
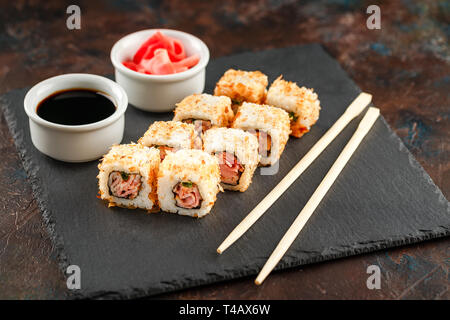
x,y
128,177
188,183
238,156
270,124
169,136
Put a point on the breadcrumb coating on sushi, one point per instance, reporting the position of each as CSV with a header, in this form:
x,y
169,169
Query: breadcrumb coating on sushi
x,y
192,166
131,159
274,121
236,141
241,144
216,109
131,155
242,86
170,133
302,104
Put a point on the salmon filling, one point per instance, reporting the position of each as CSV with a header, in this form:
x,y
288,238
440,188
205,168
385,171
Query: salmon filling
x,y
297,130
124,185
230,168
187,195
200,125
163,150
265,142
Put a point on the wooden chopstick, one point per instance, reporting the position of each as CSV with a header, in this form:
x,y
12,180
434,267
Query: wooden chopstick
x,y
292,233
352,111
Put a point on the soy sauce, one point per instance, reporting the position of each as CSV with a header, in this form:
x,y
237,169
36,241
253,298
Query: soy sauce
x,y
76,107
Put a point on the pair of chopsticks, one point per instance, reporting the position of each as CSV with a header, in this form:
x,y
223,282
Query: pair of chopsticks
x,y
352,111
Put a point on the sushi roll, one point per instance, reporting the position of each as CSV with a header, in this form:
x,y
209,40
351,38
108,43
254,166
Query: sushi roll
x,y
188,182
170,136
237,153
302,104
205,111
128,177
242,86
269,124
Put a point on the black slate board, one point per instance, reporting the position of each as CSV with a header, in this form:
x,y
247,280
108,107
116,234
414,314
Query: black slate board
x,y
383,198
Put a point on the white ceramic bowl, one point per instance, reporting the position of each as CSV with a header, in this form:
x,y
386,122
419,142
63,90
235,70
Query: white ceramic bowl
x,y
77,143
159,93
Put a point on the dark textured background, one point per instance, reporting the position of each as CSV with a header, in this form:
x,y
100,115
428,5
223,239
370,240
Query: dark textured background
x,y
382,198
405,65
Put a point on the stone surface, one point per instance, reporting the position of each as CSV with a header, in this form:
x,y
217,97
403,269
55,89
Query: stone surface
x,y
383,198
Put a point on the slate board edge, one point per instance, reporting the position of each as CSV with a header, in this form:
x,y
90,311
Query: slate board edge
x,y
237,274
30,169
38,194
63,261
359,248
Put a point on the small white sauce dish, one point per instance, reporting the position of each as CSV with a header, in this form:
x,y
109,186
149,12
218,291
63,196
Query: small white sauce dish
x,y
159,93
76,143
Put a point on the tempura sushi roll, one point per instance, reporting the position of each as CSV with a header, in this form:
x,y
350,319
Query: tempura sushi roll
x,y
269,124
188,182
205,111
302,104
170,136
242,86
237,153
128,177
